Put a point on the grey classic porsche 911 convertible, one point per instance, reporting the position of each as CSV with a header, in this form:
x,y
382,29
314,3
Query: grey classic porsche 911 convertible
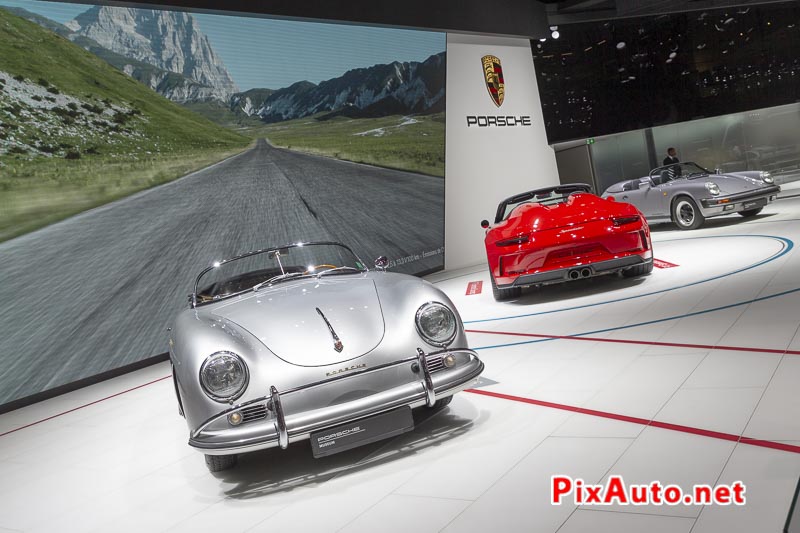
x,y
687,194
304,342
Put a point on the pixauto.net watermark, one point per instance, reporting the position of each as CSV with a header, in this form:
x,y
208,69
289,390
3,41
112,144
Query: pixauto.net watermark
x,y
565,489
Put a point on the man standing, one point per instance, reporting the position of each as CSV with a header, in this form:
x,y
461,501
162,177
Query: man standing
x,y
672,157
673,169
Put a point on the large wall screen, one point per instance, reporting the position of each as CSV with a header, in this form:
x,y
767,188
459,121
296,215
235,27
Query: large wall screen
x,y
601,78
138,146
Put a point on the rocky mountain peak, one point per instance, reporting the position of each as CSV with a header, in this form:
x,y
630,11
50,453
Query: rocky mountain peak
x,y
169,40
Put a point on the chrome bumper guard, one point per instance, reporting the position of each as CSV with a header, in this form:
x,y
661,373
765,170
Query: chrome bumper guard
x,y
283,433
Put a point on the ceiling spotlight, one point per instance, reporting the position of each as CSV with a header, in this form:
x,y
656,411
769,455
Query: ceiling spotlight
x,y
553,28
555,34
542,39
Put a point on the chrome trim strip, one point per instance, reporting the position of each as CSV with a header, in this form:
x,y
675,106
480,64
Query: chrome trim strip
x,y
427,381
337,343
280,420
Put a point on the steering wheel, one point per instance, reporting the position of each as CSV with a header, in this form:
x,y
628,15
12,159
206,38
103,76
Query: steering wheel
x,y
315,267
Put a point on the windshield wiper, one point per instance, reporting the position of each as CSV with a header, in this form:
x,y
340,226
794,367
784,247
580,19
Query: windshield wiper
x,y
339,268
279,277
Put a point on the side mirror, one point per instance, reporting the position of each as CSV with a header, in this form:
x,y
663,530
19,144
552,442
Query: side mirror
x,y
484,224
717,170
381,263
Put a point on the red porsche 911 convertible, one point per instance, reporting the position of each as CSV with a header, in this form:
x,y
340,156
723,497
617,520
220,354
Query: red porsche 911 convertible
x,y
563,233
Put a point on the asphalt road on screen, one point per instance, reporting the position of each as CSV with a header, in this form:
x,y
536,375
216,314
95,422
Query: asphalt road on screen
x,y
99,290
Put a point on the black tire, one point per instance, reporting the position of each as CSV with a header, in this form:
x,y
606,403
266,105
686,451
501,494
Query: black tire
x,y
750,212
685,213
504,294
444,402
642,269
218,463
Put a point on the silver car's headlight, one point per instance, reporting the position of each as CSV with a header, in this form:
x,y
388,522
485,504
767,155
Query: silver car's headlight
x,y
436,323
223,376
766,177
713,188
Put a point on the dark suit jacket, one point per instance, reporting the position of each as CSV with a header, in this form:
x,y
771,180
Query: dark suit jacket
x,y
670,160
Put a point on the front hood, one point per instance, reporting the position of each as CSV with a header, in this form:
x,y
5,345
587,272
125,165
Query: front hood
x,y
737,183
285,319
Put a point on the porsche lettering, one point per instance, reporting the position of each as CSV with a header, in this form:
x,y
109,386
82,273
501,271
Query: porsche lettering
x,y
485,121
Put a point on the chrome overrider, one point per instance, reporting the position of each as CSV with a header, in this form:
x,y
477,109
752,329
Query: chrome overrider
x,y
216,436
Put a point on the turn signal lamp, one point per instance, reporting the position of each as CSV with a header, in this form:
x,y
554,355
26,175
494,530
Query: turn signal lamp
x,y
449,360
235,418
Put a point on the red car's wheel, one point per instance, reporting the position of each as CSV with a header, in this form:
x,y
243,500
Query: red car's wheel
x,y
504,294
638,270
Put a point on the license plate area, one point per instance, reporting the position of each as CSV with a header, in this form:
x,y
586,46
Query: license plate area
x,y
360,432
754,203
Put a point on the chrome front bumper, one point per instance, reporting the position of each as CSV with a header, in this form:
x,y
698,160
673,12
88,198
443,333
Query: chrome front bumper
x,y
736,202
281,426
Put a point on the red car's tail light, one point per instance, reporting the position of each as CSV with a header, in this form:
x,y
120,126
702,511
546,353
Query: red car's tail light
x,y
621,221
522,239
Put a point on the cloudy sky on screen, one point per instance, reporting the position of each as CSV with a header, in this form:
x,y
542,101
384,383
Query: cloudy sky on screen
x,y
269,53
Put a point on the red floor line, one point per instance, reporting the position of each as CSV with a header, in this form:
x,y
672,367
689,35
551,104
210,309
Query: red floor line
x,y
631,341
643,421
84,405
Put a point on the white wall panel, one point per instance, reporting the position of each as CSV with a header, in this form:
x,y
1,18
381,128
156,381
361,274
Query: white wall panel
x,y
484,165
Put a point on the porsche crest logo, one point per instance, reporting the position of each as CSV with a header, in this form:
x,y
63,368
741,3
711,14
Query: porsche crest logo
x,y
493,76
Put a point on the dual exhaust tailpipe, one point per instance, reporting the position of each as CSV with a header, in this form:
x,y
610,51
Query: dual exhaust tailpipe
x,y
580,273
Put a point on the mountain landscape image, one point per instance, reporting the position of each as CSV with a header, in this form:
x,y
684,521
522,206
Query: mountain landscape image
x,y
388,114
137,146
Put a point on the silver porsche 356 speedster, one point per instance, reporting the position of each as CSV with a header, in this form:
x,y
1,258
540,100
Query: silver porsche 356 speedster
x,y
687,194
304,342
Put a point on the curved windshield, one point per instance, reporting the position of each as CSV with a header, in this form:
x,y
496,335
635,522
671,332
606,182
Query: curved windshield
x,y
667,173
263,268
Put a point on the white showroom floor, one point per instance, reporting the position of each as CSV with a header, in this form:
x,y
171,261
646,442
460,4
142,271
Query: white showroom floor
x,y
687,376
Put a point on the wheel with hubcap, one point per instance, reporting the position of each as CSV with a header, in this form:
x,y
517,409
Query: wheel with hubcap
x,y
686,214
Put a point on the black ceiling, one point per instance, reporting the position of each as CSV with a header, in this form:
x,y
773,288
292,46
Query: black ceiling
x,y
520,18
570,11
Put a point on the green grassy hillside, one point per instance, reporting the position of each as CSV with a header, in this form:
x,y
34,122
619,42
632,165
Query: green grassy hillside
x,y
76,132
412,143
